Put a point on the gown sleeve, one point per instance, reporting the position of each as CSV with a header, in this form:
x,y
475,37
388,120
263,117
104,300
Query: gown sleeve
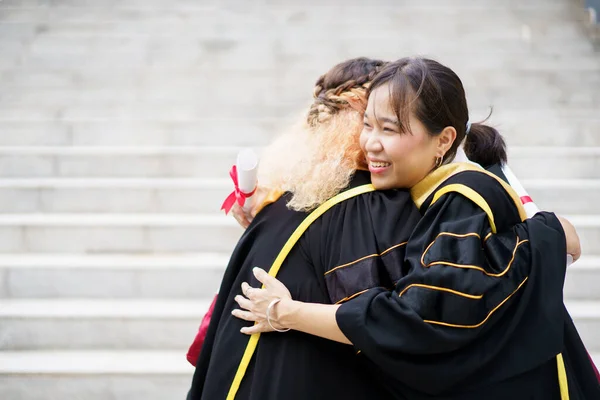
x,y
473,287
355,250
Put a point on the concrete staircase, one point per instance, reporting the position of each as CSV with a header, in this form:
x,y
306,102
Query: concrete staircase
x,y
119,121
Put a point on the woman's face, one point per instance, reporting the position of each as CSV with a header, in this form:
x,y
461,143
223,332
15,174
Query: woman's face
x,y
396,159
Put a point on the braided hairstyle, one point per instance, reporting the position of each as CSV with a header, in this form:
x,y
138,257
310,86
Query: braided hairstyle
x,y
343,87
316,158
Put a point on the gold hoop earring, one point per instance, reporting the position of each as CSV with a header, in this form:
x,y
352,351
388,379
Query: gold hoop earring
x,y
439,161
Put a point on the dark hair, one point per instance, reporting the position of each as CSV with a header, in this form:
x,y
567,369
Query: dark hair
x,y
437,97
356,73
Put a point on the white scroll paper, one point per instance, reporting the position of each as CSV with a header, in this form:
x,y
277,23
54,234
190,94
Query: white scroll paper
x,y
247,169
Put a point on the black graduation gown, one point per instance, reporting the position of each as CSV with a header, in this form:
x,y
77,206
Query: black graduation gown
x,y
338,257
479,311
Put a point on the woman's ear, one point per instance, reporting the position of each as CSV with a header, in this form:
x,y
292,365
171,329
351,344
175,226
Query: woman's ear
x,y
445,140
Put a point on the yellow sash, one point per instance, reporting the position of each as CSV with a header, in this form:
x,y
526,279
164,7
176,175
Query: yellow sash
x,y
312,217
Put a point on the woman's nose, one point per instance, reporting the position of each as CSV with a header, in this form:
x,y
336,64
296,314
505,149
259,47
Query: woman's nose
x,y
373,144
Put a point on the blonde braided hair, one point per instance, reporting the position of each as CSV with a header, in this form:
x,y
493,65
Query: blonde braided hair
x,y
349,94
317,158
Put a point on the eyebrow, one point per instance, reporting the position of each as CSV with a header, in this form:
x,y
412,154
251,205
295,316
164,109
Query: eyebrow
x,y
390,120
384,119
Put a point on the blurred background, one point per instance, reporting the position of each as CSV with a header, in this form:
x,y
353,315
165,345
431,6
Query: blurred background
x,y
119,120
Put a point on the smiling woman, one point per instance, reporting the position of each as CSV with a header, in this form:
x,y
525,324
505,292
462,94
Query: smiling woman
x,y
478,310
415,121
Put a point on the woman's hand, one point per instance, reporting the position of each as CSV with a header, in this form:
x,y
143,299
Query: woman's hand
x,y
573,242
314,319
260,198
255,301
241,216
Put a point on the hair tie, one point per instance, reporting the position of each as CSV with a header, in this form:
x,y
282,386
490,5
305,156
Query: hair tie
x,y
468,127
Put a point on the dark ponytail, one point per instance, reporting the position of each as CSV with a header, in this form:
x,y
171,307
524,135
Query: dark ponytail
x,y
485,146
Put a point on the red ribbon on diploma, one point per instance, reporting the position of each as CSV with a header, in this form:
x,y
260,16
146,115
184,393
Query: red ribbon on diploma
x,y
526,199
237,194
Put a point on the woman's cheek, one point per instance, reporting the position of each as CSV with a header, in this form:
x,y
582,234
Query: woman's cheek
x,y
362,140
391,148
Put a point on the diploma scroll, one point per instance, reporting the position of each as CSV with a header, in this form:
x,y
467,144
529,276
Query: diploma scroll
x,y
530,207
247,169
244,177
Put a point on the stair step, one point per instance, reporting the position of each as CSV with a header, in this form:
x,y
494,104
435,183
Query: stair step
x,y
117,233
115,219
555,162
204,195
100,324
207,162
559,130
94,362
299,91
120,195
160,84
582,279
98,375
586,314
116,161
562,196
168,276
94,233
111,276
154,324
94,375
97,309
113,262
223,132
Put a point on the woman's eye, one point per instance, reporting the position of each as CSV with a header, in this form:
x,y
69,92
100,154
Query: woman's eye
x,y
366,124
386,129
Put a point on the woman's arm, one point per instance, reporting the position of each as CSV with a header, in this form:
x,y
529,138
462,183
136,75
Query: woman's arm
x,y
573,242
311,318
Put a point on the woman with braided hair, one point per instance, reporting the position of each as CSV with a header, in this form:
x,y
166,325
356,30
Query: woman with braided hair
x,y
314,162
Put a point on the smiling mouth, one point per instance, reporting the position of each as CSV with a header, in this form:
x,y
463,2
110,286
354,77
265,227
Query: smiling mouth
x,y
379,164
